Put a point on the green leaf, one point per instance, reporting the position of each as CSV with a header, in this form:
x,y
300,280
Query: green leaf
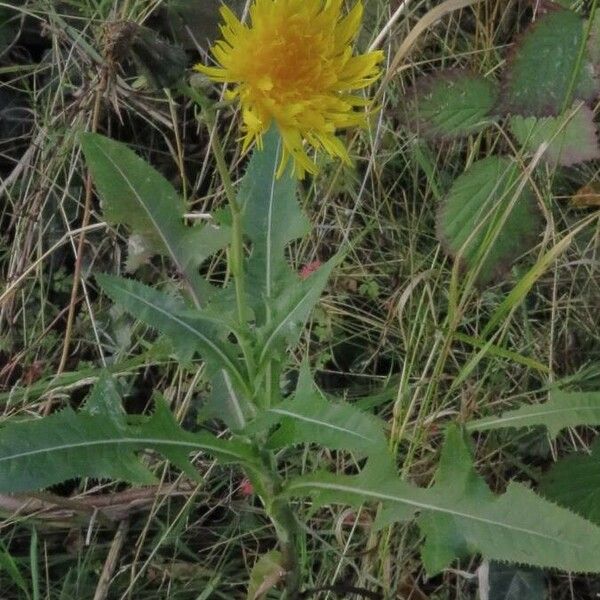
x,y
136,195
290,311
272,218
36,454
543,74
574,482
187,329
489,217
563,409
227,403
309,417
460,515
452,104
572,138
266,574
105,400
507,582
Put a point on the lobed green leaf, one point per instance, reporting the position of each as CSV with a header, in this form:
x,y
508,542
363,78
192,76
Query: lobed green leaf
x,y
39,453
459,515
563,409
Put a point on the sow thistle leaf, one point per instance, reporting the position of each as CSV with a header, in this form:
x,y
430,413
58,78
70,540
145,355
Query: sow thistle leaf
x,y
136,195
572,138
538,80
187,330
563,409
459,515
290,310
574,482
309,417
105,400
227,403
488,218
272,219
452,104
36,454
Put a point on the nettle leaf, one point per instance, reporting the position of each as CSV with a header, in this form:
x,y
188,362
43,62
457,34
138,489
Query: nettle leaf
x,y
574,482
489,217
43,452
452,104
572,137
543,73
272,219
309,417
563,409
459,515
188,330
135,194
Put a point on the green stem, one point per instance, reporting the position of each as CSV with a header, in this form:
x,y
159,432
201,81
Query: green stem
x,y
288,535
236,251
266,480
284,521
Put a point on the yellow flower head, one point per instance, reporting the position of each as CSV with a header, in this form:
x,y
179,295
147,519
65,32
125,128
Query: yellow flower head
x,y
293,65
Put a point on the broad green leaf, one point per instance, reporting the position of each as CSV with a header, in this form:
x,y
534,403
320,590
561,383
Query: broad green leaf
x,y
309,417
508,582
290,311
574,482
460,515
572,138
186,329
227,403
452,104
489,217
39,453
563,409
543,75
272,218
135,194
266,574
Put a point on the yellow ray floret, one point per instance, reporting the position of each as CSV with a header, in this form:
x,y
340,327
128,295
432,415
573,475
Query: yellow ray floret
x,y
294,65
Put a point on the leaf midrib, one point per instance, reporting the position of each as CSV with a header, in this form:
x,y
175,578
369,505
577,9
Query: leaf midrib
x,y
139,441
300,417
226,360
539,413
424,506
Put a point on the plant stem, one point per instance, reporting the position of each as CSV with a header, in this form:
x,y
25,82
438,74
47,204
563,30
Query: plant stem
x,y
236,256
288,534
268,484
267,481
